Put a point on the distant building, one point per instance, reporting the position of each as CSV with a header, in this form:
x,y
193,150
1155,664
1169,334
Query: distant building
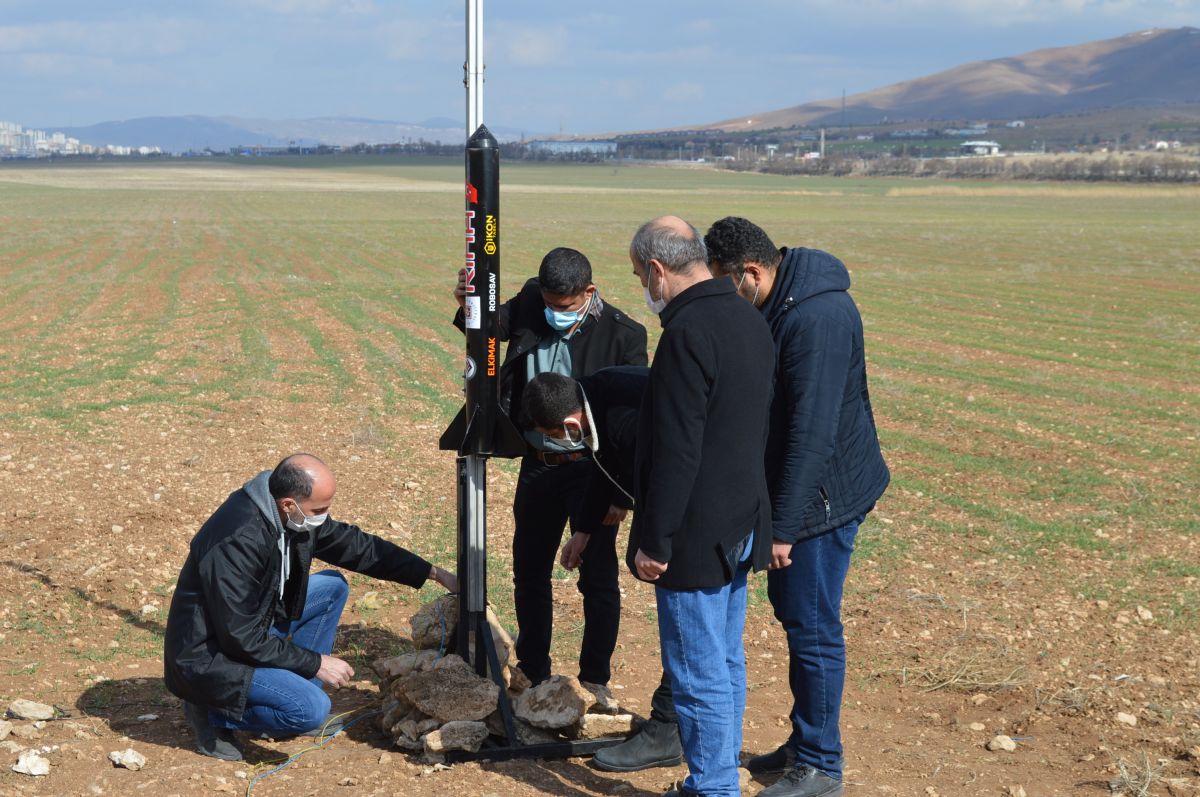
x,y
979,148
601,149
966,132
1015,123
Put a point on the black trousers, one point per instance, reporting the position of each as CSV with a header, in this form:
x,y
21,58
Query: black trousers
x,y
546,498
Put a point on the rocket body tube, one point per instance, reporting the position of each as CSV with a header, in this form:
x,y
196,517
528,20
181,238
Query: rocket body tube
x,y
483,428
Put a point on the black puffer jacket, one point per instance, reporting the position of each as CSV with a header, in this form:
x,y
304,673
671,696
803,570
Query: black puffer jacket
x,y
824,466
227,596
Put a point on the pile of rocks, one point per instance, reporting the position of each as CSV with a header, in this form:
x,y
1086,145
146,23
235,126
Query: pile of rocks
x,y
434,702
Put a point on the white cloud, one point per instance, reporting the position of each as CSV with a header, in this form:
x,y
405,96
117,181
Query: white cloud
x,y
314,7
141,39
528,45
417,39
988,13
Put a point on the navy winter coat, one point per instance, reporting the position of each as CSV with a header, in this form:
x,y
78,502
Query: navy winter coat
x,y
824,466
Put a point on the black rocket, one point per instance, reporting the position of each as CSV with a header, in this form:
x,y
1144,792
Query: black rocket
x,y
482,427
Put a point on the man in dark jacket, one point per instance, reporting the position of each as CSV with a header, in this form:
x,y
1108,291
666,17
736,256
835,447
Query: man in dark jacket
x,y
601,410
249,633
825,472
703,512
559,323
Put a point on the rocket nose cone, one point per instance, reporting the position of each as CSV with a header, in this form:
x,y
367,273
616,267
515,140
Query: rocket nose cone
x,y
482,138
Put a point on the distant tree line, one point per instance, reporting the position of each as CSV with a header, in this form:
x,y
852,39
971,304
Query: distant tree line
x,y
1132,168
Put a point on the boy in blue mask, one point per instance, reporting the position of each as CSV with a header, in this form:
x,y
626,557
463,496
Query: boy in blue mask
x,y
558,323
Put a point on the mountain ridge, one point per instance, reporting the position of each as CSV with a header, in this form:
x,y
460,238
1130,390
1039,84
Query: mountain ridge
x,y
1143,69
220,133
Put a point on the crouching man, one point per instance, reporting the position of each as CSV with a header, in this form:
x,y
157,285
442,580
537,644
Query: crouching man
x,y
250,631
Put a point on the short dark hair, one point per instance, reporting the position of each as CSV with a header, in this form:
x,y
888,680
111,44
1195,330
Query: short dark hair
x,y
564,271
290,480
548,398
678,253
733,241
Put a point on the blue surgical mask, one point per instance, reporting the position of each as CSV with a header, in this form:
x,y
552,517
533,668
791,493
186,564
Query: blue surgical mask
x,y
564,320
561,321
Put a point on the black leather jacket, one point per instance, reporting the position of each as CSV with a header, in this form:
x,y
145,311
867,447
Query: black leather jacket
x,y
227,598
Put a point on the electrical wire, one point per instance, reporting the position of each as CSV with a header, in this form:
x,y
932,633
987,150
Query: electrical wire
x,y
317,746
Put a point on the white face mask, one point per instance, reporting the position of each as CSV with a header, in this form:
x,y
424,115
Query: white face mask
x,y
308,523
753,301
656,305
573,430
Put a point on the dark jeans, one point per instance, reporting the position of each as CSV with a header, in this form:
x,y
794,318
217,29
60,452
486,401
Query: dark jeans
x,y
807,597
546,499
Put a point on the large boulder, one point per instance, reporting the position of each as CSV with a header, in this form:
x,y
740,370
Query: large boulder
x,y
450,691
457,735
526,733
557,702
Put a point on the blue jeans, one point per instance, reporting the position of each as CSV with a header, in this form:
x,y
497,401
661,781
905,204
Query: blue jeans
x,y
281,700
701,634
807,597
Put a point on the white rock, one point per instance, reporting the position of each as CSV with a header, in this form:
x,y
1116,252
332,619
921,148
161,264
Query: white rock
x,y
1126,719
5,729
557,702
28,710
977,726
1002,742
1144,614
148,609
147,718
128,758
598,726
30,763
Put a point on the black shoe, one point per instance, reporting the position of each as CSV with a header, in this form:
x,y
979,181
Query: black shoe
x,y
656,744
804,781
778,760
210,741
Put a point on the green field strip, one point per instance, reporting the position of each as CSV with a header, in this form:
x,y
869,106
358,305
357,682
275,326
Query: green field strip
x,y
1015,382
1092,443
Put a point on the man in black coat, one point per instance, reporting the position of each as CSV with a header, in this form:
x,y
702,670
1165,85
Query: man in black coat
x,y
559,323
825,472
249,633
703,514
601,410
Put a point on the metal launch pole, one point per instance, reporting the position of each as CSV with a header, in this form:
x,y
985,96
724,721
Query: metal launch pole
x,y
472,468
482,429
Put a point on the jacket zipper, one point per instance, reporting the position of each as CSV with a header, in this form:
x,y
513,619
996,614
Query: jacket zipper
x,y
825,500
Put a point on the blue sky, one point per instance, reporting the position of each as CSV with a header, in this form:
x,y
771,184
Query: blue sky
x,y
579,66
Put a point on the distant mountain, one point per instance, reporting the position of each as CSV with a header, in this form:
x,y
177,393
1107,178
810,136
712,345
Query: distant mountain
x,y
1150,68
183,133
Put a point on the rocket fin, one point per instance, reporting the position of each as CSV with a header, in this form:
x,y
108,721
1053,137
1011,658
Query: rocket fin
x,y
507,440
455,436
